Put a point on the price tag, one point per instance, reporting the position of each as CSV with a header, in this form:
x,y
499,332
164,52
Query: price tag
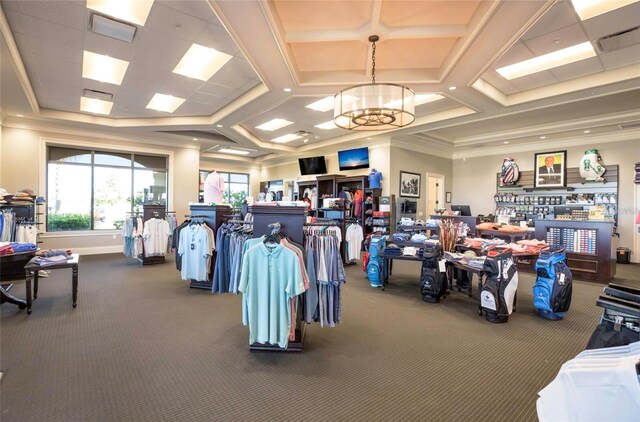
x,y
441,265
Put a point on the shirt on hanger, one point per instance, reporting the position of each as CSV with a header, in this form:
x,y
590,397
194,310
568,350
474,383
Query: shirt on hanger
x,y
213,188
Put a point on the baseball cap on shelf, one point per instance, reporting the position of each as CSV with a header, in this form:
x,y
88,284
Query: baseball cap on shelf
x,y
409,251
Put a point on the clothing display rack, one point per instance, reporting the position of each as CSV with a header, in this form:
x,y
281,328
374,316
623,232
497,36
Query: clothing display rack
x,y
213,216
290,221
150,211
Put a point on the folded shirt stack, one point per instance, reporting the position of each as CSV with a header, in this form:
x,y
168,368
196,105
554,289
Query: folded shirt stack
x,y
23,247
400,237
5,248
392,250
54,252
45,261
418,238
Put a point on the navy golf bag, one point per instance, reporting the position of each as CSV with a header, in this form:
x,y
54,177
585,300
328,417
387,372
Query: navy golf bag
x,y
376,268
552,290
432,281
498,294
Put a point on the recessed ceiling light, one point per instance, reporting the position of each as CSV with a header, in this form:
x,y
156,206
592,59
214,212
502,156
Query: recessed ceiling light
x,y
327,125
587,131
368,139
287,90
218,125
587,9
200,62
194,139
112,28
324,104
506,142
94,105
286,138
167,103
233,151
548,61
134,11
274,124
543,137
305,141
19,115
103,68
452,88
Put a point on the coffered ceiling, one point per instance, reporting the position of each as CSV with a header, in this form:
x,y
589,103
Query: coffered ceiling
x,y
286,55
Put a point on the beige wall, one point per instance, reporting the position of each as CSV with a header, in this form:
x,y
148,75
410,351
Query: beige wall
x,y
416,162
475,184
252,170
378,159
22,165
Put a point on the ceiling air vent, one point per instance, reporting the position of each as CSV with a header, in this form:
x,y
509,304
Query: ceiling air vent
x,y
112,28
303,133
619,40
630,125
100,95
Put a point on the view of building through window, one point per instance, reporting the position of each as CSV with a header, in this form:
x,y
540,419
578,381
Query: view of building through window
x,y
236,187
93,190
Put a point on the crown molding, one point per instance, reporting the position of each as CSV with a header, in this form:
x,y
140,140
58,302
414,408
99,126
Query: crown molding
x,y
44,127
581,141
21,73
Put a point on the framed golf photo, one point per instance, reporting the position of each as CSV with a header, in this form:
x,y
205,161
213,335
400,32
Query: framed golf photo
x,y
409,184
550,169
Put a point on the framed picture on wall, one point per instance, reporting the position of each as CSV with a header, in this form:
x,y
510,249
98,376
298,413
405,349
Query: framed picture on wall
x,y
409,184
550,169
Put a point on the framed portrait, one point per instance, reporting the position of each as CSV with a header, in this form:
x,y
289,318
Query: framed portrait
x,y
550,169
409,184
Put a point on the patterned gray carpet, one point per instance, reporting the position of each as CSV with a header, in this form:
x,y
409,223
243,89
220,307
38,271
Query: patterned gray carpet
x,y
142,346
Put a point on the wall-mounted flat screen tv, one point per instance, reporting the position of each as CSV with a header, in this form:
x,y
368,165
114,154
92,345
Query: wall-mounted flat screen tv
x,y
312,165
353,159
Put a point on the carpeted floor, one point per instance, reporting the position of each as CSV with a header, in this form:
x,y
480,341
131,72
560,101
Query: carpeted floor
x,y
142,346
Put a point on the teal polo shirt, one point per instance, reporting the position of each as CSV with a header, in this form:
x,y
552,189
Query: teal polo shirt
x,y
270,277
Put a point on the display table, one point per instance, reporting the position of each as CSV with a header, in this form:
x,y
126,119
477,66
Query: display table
x,y
505,234
6,297
32,268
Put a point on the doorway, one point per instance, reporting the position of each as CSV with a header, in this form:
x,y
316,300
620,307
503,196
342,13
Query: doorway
x,y
435,192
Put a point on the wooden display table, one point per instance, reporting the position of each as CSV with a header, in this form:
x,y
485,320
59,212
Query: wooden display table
x,y
32,268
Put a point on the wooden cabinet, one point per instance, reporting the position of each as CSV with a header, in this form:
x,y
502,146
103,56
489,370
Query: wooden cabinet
x,y
589,246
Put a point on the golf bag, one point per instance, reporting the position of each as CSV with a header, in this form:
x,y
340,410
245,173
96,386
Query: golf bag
x,y
498,294
432,281
376,268
552,290
620,322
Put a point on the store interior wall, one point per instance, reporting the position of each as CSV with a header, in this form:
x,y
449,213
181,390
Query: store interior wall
x,y
23,163
417,162
290,170
474,180
252,170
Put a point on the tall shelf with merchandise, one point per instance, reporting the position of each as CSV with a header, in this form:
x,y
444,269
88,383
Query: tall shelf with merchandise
x,y
370,205
523,202
590,246
26,210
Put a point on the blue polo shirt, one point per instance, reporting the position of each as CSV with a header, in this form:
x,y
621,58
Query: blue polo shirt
x,y
270,277
375,179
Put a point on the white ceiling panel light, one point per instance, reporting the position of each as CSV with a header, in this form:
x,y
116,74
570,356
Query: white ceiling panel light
x,y
94,105
548,61
419,100
286,138
134,11
274,124
112,28
103,68
588,9
200,62
233,151
327,125
167,103
327,103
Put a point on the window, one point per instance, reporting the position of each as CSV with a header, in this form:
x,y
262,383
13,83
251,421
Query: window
x,y
236,187
93,190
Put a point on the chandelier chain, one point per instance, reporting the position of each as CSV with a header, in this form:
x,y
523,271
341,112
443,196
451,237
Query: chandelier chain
x,y
373,61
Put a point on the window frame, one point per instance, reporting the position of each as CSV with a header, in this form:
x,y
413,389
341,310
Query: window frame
x,y
92,150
